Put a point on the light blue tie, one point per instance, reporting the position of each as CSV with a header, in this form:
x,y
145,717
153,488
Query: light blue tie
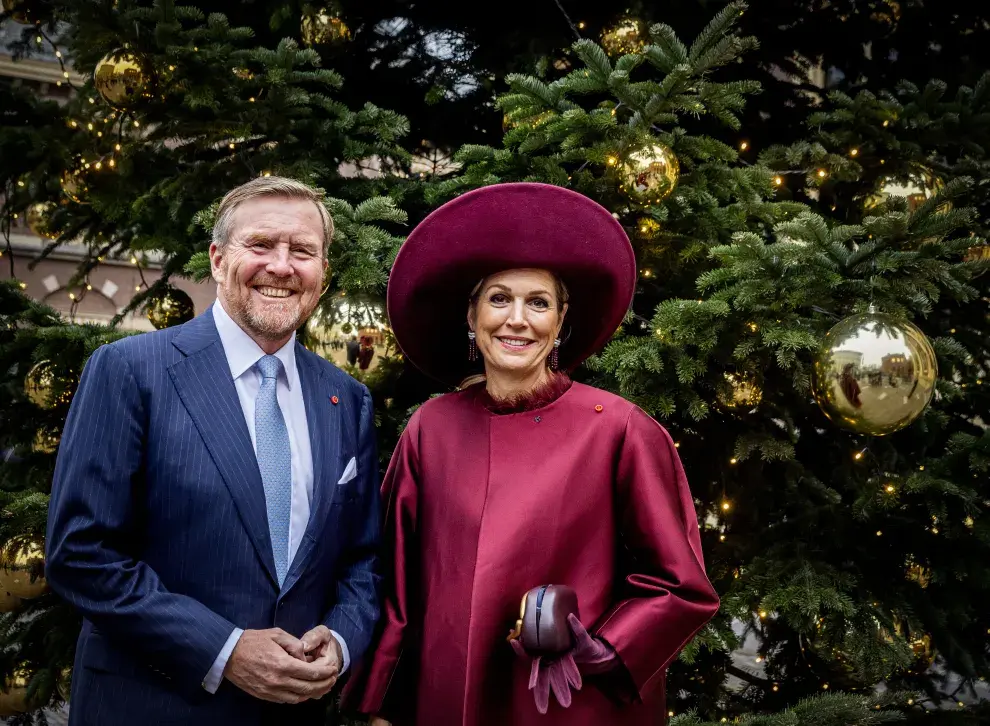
x,y
275,461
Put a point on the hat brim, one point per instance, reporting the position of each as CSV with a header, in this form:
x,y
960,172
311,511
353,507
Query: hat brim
x,y
503,227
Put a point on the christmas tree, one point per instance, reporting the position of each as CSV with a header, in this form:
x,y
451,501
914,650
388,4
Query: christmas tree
x,y
851,560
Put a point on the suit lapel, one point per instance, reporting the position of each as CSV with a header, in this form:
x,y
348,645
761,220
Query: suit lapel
x,y
323,420
206,389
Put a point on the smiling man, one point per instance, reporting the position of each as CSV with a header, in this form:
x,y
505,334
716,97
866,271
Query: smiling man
x,y
214,512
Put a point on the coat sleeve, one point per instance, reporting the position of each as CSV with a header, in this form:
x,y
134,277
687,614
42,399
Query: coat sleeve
x,y
92,514
369,690
356,609
667,595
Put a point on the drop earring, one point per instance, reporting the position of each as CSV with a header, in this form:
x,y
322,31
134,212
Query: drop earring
x,y
472,347
554,359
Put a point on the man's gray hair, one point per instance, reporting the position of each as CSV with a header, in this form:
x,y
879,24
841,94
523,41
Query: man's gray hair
x,y
268,186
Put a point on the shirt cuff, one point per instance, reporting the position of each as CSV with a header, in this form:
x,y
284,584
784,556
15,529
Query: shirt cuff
x,y
343,649
212,681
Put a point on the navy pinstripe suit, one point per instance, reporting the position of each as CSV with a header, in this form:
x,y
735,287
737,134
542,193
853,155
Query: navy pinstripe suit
x,y
158,533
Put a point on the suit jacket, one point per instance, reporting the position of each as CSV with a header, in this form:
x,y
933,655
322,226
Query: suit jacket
x,y
158,531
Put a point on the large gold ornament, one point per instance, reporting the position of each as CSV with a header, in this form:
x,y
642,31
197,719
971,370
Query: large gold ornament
x,y
24,12
874,374
37,219
358,320
324,27
74,185
916,188
46,387
22,567
173,307
124,78
14,694
648,175
742,393
627,36
39,384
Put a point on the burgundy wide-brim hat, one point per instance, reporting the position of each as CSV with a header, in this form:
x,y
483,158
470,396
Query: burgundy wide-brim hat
x,y
503,227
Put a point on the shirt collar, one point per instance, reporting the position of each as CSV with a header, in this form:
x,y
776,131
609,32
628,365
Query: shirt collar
x,y
242,352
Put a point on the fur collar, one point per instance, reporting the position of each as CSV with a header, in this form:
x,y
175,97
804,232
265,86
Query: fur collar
x,y
556,386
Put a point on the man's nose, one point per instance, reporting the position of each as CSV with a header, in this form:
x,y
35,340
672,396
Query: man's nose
x,y
279,261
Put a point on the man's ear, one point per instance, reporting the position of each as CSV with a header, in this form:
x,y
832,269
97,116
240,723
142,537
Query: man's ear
x,y
216,259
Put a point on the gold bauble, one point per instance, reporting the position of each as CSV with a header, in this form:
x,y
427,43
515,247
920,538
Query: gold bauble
x,y
37,219
742,393
324,27
124,78
74,185
978,253
173,307
648,175
22,11
648,227
627,36
917,188
8,602
21,558
39,384
918,574
874,374
13,695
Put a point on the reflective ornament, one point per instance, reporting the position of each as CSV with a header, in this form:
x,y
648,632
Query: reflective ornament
x,y
173,307
351,331
649,175
627,36
742,392
123,78
74,185
978,253
648,227
324,27
39,384
46,387
22,567
918,574
916,188
13,696
24,12
243,73
874,374
37,219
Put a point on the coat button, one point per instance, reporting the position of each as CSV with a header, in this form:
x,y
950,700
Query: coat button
x,y
599,408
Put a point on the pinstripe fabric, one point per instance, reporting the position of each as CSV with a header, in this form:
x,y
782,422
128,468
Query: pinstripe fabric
x,y
158,529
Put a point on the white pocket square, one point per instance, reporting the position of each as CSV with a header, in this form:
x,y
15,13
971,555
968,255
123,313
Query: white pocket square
x,y
350,471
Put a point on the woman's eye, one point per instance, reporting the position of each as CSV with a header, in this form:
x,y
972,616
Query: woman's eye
x,y
541,303
499,299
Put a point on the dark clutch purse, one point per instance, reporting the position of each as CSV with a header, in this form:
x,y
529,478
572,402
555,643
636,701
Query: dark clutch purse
x,y
542,625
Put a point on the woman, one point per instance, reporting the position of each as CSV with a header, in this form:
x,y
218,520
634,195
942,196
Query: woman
x,y
526,479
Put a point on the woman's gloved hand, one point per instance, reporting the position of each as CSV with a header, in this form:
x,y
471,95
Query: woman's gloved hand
x,y
562,673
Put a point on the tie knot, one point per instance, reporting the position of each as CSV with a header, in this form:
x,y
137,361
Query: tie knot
x,y
269,366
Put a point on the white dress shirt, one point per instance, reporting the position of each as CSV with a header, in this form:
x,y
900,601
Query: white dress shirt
x,y
242,355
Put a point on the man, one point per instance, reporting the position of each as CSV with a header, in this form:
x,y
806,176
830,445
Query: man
x,y
214,514
353,349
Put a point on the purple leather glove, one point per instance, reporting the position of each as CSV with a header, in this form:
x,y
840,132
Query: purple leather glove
x,y
562,673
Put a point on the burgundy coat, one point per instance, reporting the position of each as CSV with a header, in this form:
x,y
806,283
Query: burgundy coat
x,y
587,491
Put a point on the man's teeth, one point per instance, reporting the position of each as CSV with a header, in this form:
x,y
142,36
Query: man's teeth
x,y
274,291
